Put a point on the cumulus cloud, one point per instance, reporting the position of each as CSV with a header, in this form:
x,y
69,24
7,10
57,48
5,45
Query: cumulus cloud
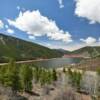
x,y
65,46
61,5
18,7
37,25
89,40
6,26
1,24
89,9
99,39
31,37
10,31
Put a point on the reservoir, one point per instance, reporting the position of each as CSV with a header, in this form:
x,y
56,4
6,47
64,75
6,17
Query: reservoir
x,y
57,62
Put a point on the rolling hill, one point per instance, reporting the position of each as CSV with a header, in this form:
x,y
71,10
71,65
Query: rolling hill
x,y
11,47
88,51
62,51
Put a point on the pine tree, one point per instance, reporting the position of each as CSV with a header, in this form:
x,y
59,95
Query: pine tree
x,y
2,74
26,77
64,70
75,78
11,77
54,74
36,73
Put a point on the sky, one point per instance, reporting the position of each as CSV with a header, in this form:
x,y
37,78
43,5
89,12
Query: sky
x,y
58,24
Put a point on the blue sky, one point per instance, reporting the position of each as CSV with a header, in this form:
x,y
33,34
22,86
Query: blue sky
x,y
66,24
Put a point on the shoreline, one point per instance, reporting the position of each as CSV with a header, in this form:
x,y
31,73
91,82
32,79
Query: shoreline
x,y
29,61
36,60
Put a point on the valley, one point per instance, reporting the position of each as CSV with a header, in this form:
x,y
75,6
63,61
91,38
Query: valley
x,y
43,73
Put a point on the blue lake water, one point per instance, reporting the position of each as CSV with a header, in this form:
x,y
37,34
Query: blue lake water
x,y
58,62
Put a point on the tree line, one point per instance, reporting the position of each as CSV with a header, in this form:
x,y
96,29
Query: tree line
x,y
20,77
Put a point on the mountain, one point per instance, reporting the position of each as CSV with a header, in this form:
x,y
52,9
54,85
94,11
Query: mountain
x,y
11,47
88,51
62,51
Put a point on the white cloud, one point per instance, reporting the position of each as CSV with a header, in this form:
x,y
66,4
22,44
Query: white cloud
x,y
10,31
48,45
61,5
70,47
64,46
18,7
89,9
6,26
31,37
99,39
1,24
89,40
37,25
